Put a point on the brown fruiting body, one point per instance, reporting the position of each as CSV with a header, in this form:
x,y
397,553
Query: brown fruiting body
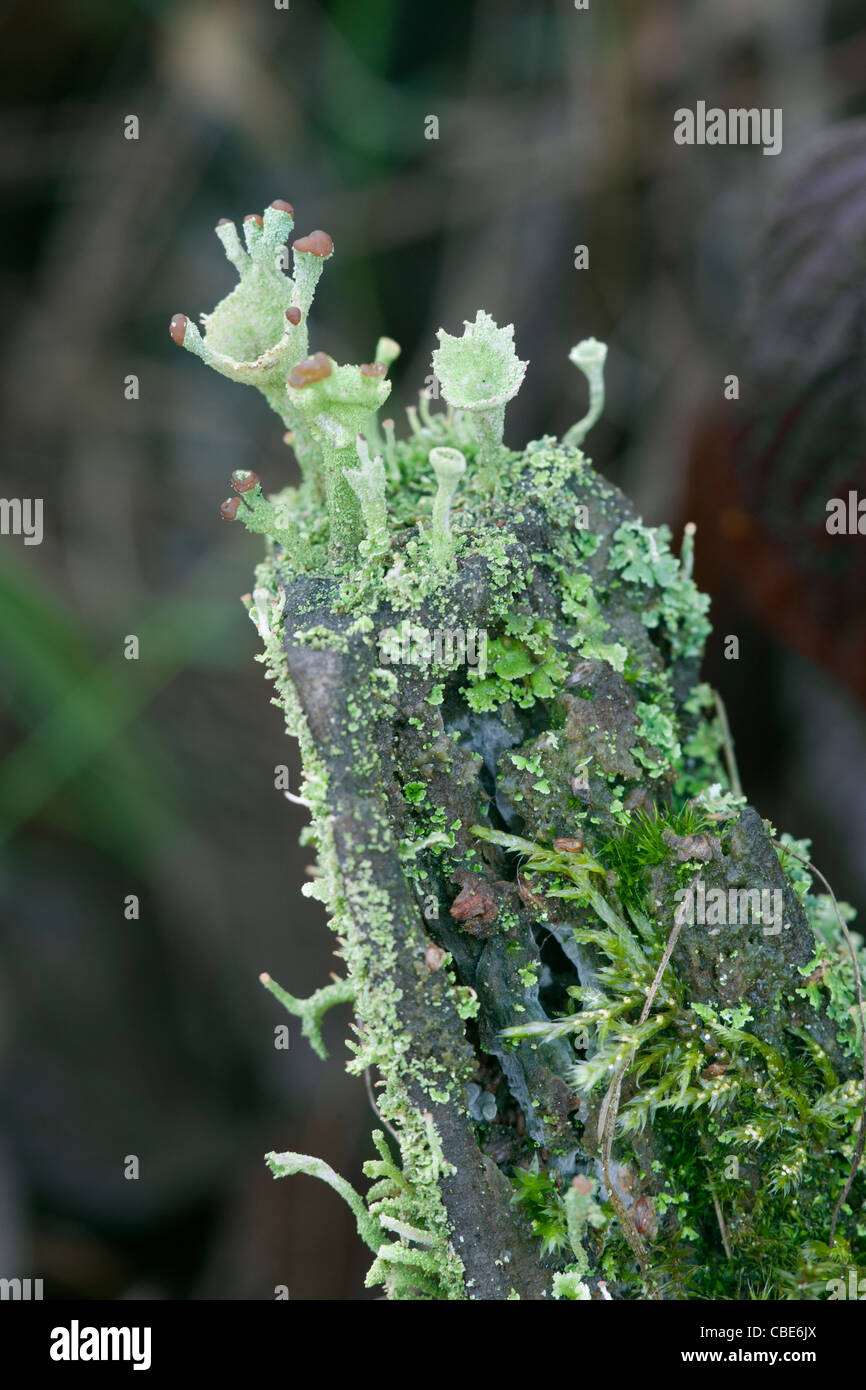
x,y
177,329
293,315
229,508
244,480
375,369
282,206
318,243
315,368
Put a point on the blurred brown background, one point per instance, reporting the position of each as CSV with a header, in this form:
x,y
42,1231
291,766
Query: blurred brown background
x,y
155,778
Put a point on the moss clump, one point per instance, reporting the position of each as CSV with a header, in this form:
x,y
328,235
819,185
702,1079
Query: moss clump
x,y
753,1139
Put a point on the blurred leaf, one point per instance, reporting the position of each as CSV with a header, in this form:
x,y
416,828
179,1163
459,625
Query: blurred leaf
x,y
78,710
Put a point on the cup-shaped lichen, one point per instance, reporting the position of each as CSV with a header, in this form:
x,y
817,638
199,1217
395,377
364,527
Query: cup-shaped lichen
x,y
368,485
258,332
337,404
480,372
449,465
590,356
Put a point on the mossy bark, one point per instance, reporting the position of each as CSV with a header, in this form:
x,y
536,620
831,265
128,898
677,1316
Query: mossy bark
x,y
410,769
361,771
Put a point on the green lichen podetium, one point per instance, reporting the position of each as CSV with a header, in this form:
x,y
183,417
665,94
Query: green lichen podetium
x,y
249,336
480,372
512,772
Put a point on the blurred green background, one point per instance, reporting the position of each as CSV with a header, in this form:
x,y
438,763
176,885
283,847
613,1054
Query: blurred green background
x,y
155,777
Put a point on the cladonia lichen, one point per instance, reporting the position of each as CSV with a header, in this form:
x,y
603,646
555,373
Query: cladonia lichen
x,y
514,779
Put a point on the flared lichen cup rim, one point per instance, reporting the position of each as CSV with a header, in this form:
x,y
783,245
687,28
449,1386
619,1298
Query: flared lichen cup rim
x,y
588,353
480,369
262,331
446,459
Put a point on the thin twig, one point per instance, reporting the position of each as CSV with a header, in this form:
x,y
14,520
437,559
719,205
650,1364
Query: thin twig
x,y
728,744
721,1220
861,1141
372,1099
668,951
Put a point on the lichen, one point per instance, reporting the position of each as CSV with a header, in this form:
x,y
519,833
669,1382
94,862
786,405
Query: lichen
x,y
504,830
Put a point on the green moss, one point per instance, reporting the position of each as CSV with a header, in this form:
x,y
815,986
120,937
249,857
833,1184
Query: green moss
x,y
538,1197
712,1088
642,847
